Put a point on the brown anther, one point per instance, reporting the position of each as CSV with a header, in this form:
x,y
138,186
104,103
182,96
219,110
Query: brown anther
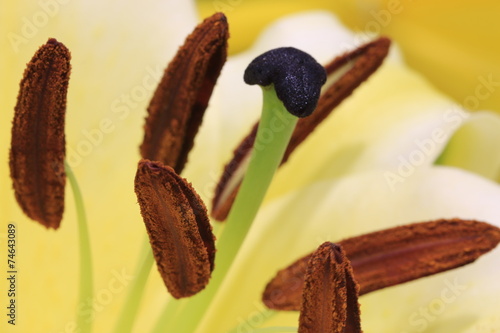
x,y
347,72
177,107
38,143
393,256
178,226
330,294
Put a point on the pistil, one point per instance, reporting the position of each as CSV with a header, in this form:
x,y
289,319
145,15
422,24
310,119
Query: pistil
x,y
345,74
291,82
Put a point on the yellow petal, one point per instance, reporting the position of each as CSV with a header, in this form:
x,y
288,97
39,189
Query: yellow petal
x,y
451,44
248,18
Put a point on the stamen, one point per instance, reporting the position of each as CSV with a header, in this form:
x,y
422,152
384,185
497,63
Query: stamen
x,y
347,73
175,114
330,295
38,142
393,256
178,105
178,227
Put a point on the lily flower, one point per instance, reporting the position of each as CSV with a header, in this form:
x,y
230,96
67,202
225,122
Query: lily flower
x,y
343,181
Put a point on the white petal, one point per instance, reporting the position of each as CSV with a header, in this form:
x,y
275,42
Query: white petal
x,y
474,146
394,122
297,223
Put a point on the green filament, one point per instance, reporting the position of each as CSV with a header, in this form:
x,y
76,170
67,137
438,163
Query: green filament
x,y
129,312
84,323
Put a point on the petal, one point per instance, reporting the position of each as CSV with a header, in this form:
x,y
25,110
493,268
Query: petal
x,y
248,17
457,39
328,211
489,322
473,146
